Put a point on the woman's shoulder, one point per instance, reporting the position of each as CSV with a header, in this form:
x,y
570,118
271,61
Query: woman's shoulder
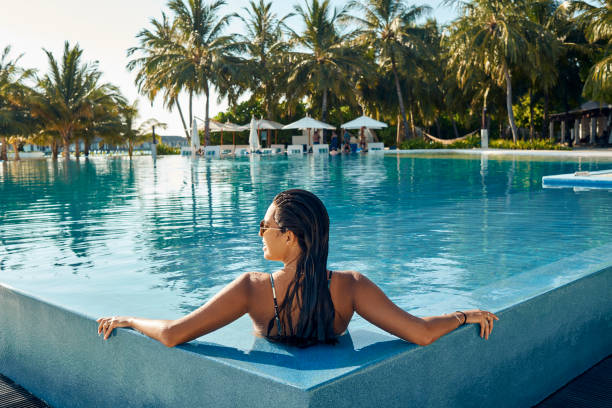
x,y
346,276
258,277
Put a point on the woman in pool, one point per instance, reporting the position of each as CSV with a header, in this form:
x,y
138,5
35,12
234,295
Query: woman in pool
x,y
304,303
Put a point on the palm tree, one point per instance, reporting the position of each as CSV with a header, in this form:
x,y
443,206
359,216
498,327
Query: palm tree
x,y
152,76
197,56
547,49
496,33
265,49
597,24
323,59
389,28
68,94
131,134
15,119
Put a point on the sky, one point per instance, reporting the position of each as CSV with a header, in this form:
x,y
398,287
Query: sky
x,y
105,30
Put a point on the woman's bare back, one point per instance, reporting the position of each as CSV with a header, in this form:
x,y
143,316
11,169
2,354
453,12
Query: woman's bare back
x,y
261,301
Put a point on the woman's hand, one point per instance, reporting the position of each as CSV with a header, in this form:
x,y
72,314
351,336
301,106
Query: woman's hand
x,y
107,324
484,318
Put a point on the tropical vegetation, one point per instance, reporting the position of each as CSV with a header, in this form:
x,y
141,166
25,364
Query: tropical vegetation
x,y
504,65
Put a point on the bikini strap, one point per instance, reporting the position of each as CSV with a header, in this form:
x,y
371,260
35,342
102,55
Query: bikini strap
x,y
278,323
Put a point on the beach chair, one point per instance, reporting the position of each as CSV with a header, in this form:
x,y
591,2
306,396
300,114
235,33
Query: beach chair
x,y
226,149
185,150
320,149
212,151
295,149
278,149
266,151
241,151
376,147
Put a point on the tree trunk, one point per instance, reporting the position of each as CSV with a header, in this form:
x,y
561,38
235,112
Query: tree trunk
x,y
77,148
437,128
509,102
178,105
3,149
206,120
412,127
398,136
324,106
530,113
15,145
86,147
455,129
54,149
399,97
545,120
190,109
130,148
66,141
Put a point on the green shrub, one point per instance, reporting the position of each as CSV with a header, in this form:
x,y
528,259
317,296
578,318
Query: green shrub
x,y
469,142
474,142
536,144
163,149
420,143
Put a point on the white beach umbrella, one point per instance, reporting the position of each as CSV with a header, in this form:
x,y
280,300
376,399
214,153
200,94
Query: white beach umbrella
x,y
215,126
309,123
268,124
253,139
195,138
364,121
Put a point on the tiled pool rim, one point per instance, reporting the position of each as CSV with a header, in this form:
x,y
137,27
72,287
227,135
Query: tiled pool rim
x,y
556,322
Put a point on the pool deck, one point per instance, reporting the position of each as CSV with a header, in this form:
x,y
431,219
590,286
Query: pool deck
x,y
15,396
578,152
590,389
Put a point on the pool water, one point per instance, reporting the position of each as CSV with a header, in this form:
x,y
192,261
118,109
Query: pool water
x,y
116,237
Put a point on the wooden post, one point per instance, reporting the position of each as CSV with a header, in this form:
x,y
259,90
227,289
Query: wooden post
x,y
551,130
275,136
221,136
563,131
593,130
576,132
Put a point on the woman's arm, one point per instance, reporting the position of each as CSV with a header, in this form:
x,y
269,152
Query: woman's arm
x,y
225,307
373,305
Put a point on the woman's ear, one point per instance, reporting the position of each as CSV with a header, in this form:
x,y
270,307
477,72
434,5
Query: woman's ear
x,y
291,238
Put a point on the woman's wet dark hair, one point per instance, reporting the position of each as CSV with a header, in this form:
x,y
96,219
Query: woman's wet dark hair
x,y
303,213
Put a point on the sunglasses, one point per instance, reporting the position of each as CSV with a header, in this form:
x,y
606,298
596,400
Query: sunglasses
x,y
263,228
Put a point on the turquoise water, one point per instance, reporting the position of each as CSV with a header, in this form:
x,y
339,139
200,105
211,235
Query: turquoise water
x,y
110,236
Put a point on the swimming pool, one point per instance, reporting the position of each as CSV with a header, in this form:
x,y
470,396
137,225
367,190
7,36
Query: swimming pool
x,y
110,236
437,233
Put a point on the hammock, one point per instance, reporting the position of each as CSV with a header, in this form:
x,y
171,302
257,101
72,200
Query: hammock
x,y
447,141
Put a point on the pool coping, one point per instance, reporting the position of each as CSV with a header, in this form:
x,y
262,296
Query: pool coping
x,y
590,179
300,377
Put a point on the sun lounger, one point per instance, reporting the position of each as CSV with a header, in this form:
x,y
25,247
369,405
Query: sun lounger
x,y
212,151
226,149
295,149
278,149
376,147
320,149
